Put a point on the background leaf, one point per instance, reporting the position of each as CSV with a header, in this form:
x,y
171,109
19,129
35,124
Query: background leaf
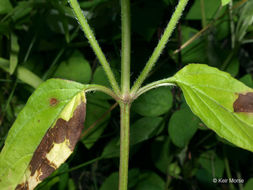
x,y
182,126
225,2
96,120
14,53
150,125
150,181
153,103
161,154
210,8
249,184
75,68
100,77
212,163
5,6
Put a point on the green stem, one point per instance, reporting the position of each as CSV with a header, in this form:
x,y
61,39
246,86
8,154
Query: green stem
x,y
96,87
161,45
156,84
228,59
94,44
232,25
125,47
228,172
203,13
124,145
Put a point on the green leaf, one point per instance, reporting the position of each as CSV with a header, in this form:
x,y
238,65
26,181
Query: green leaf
x,y
150,181
144,129
223,103
112,148
111,182
14,53
154,102
4,64
245,21
182,126
205,178
75,68
63,182
233,67
43,135
247,79
160,153
210,8
71,185
212,163
195,51
249,185
225,2
23,74
5,6
100,77
28,77
174,170
4,28
22,9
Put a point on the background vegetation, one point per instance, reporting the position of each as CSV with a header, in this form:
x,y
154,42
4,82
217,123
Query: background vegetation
x,y
170,147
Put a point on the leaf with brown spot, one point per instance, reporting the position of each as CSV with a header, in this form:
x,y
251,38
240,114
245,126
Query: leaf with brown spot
x,y
53,101
43,135
244,103
223,103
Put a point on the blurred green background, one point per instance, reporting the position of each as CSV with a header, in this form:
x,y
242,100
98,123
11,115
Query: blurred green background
x,y
170,147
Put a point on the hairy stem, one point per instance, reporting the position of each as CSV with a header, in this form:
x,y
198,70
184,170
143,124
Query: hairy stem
x,y
124,145
94,44
156,84
125,47
159,48
232,25
96,87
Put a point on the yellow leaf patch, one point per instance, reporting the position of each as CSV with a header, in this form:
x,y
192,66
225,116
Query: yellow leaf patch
x,y
57,144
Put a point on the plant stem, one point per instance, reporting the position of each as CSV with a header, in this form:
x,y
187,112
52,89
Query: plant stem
x,y
228,59
94,44
228,172
96,87
203,13
159,48
124,145
232,25
156,84
125,47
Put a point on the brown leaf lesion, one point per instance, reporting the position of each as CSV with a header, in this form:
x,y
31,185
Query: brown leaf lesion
x,y
53,102
61,131
244,103
22,186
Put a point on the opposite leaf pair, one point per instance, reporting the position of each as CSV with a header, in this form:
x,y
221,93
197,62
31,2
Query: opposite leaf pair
x,y
48,128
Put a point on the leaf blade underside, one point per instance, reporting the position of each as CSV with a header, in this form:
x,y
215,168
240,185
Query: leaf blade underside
x,y
223,103
40,127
